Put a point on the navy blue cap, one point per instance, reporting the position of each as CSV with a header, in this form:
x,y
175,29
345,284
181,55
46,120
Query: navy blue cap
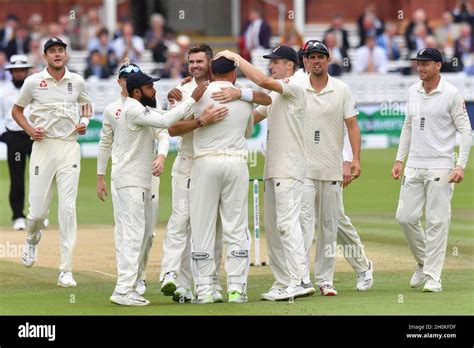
x,y
222,65
429,54
53,41
283,52
139,79
312,46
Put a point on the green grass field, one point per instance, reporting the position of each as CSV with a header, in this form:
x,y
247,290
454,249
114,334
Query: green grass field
x,y
370,202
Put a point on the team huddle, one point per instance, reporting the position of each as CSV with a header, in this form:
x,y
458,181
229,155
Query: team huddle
x,y
312,153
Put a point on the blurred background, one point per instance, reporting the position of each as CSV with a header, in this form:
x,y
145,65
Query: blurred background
x,y
370,44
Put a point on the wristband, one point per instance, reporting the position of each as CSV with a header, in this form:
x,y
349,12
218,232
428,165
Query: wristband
x,y
247,94
199,122
84,120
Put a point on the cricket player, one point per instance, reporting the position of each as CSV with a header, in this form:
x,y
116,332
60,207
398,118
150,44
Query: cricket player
x,y
285,169
111,114
133,148
176,276
435,111
219,187
53,96
330,105
347,235
18,142
176,262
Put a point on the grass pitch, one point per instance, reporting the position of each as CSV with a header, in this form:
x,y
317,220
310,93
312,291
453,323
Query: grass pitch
x,y
370,202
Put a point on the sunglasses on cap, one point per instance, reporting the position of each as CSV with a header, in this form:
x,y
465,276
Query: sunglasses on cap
x,y
315,45
130,69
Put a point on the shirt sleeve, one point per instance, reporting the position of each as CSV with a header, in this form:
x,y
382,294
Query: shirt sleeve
x,y
463,125
350,107
291,88
83,95
262,110
405,136
347,148
141,116
163,138
105,145
26,95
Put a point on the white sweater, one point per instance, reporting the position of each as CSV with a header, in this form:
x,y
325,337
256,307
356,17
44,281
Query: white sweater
x,y
429,133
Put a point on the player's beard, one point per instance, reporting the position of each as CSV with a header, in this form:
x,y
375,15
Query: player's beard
x,y
148,101
18,83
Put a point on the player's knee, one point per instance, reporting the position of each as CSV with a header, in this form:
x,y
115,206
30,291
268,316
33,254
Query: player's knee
x,y
406,218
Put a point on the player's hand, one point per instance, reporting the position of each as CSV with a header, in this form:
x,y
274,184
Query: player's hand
x,y
355,169
199,91
397,170
81,128
346,174
186,80
227,54
101,188
175,95
227,94
457,175
158,165
212,114
36,134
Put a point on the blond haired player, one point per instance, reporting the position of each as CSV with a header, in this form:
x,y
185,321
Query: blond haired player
x,y
285,169
111,114
53,96
435,112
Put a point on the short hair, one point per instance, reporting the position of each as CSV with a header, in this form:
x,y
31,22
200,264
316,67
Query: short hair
x,y
102,31
295,64
202,47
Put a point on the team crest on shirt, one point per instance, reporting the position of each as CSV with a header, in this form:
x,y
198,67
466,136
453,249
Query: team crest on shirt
x,y
146,111
286,81
117,113
43,84
69,87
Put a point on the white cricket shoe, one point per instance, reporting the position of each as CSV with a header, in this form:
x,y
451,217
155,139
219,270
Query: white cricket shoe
x,y
327,290
182,294
365,280
272,294
168,287
237,297
46,222
30,252
141,287
66,280
204,299
217,296
432,285
418,278
19,224
133,298
293,292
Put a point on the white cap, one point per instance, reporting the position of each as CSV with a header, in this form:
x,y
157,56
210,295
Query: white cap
x,y
18,61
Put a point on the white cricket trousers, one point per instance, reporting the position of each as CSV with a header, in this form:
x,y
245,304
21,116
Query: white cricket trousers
x,y
55,161
321,201
347,236
134,212
285,246
219,188
155,188
177,242
428,189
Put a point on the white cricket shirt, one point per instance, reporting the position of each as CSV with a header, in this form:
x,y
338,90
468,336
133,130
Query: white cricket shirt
x,y
54,104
